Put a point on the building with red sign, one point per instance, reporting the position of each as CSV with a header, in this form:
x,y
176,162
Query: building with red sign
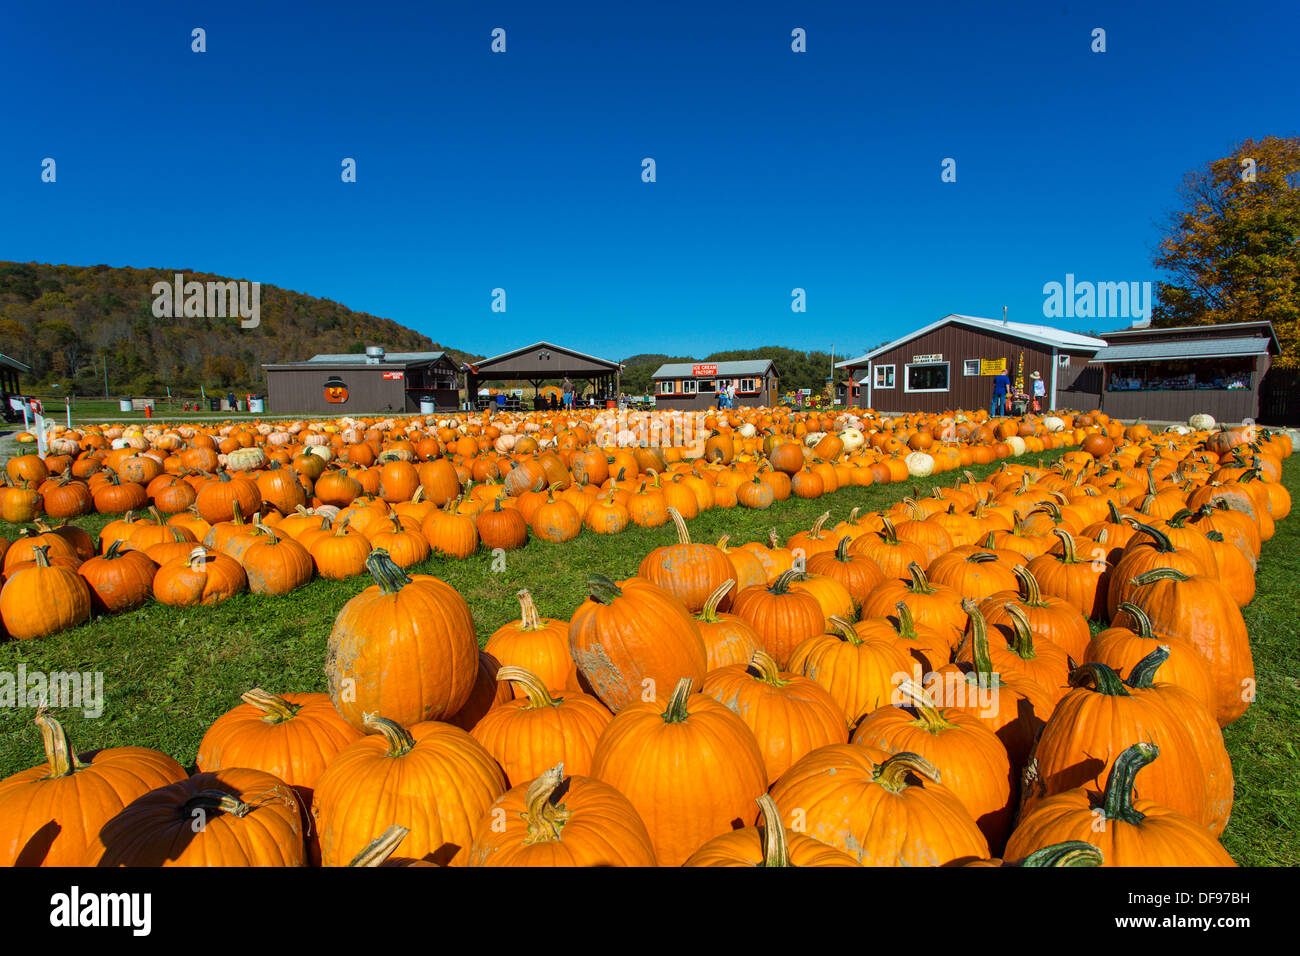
x,y
363,384
697,385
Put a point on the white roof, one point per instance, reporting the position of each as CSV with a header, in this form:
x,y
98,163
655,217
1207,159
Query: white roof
x,y
1042,334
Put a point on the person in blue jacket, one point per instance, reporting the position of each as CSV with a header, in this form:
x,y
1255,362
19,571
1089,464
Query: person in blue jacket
x,y
1001,385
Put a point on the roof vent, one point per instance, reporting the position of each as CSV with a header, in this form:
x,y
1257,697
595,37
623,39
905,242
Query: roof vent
x,y
374,354
1004,315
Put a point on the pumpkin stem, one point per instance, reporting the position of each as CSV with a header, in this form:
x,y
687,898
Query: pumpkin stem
x,y
1069,853
816,533
906,622
1067,545
776,847
400,741
766,669
676,711
545,819
217,800
378,850
529,619
979,636
58,746
1142,624
892,774
920,584
773,542
888,531
387,574
602,589
1143,674
1159,538
538,695
845,629
709,613
1030,592
782,584
198,558
931,718
41,555
1023,641
275,709
683,535
1117,801
1102,678
1158,574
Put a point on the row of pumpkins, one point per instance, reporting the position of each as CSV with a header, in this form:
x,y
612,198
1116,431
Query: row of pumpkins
x,y
917,686
191,536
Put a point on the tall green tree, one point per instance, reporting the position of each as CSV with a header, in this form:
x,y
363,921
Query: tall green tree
x,y
1232,248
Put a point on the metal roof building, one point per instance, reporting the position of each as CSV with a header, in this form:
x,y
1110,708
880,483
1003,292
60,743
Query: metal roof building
x,y
697,384
362,384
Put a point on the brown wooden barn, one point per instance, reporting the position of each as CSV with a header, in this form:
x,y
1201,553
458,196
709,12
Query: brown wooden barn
x,y
1170,374
950,364
363,384
696,384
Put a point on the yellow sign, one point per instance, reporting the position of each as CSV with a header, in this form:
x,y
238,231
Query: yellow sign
x,y
993,366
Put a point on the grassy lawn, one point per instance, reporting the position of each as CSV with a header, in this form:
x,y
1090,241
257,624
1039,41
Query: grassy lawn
x,y
169,672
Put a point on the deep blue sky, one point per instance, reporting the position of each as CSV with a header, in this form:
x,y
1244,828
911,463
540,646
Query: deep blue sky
x,y
523,171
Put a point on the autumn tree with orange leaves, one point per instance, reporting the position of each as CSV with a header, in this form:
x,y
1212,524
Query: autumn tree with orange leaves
x,y
1232,250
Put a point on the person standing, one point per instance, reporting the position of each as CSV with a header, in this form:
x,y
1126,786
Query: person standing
x,y
1040,391
567,390
731,394
1001,384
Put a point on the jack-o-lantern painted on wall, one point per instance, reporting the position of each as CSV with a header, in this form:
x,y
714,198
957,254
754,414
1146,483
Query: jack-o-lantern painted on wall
x,y
336,392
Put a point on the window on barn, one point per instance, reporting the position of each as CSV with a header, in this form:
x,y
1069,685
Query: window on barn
x,y
971,367
884,376
929,377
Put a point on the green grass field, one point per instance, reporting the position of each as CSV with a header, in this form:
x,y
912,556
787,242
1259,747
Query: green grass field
x,y
168,672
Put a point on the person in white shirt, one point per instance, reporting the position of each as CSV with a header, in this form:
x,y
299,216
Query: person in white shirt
x,y
1040,391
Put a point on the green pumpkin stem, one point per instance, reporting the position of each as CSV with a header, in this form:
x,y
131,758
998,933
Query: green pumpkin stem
x,y
1069,853
782,584
1117,800
1143,674
602,589
676,712
1158,574
1141,621
1030,593
683,535
920,583
979,637
1023,641
1102,678
386,572
842,550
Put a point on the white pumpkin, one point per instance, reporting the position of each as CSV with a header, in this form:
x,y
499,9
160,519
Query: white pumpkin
x,y
1202,422
246,459
853,439
919,464
812,438
321,451
1053,424
748,430
1017,444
